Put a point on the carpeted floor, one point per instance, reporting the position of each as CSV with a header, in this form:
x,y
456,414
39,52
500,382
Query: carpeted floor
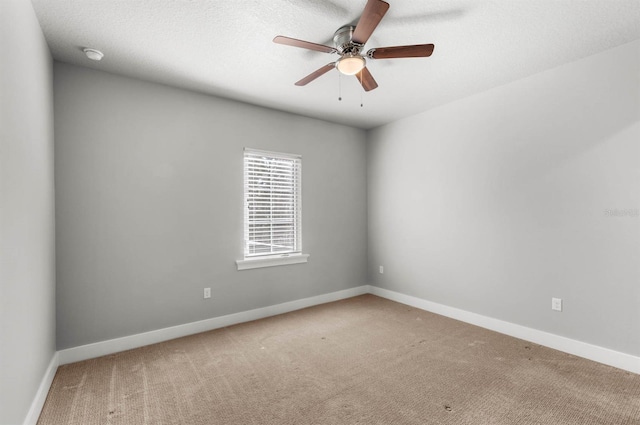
x,y
365,360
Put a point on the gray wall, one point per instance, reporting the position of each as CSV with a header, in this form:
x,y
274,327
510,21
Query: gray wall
x,y
496,203
149,206
27,275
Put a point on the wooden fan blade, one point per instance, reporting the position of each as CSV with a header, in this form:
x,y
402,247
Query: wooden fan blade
x,y
309,78
288,41
415,51
371,17
366,79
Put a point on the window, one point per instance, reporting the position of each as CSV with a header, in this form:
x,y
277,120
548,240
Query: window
x,y
272,209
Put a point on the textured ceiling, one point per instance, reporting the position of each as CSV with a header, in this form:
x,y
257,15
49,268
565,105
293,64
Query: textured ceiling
x,y
225,48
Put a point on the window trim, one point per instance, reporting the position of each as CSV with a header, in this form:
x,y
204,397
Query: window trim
x,y
273,259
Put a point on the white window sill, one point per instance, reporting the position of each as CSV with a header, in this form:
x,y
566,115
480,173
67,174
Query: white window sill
x,y
255,263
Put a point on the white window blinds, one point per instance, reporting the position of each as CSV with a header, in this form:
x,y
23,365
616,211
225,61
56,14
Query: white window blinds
x,y
272,203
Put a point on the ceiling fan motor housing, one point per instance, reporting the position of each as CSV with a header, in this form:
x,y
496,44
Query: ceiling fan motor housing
x,y
342,39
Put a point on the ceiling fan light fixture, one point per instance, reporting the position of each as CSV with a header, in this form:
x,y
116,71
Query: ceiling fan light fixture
x,y
350,64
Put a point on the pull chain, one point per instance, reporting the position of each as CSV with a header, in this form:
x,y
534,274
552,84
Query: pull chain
x,y
340,89
361,102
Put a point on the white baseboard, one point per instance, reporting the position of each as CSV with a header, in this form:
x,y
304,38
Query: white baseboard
x,y
89,351
43,391
581,349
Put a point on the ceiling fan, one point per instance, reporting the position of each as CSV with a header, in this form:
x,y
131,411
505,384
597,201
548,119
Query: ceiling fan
x,y
349,42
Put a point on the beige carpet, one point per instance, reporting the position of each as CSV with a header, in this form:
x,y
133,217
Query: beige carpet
x,y
365,360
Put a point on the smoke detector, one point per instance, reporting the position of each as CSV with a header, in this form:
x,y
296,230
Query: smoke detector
x,y
93,54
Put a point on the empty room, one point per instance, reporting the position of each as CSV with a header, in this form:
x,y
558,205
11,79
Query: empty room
x,y
320,212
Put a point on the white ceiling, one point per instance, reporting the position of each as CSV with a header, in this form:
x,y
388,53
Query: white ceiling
x,y
225,48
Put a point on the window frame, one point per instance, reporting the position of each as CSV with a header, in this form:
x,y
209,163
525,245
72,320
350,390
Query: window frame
x,y
252,158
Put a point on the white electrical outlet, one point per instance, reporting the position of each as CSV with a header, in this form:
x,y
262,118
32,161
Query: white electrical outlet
x,y
381,270
556,304
207,292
